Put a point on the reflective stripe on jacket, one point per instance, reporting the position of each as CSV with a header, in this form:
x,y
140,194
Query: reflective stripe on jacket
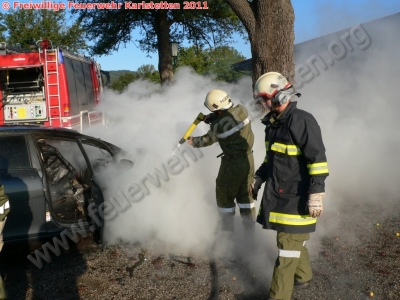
x,y
295,165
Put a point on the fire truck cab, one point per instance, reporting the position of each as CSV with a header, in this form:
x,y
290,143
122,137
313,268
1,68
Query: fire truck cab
x,y
50,87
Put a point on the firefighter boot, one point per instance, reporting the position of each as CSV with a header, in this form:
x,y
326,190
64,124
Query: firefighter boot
x,y
227,225
226,236
248,217
249,228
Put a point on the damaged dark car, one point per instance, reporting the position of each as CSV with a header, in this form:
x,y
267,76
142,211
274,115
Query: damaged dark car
x,y
49,177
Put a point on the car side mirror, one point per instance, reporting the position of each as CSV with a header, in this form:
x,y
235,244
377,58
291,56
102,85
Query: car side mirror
x,y
125,164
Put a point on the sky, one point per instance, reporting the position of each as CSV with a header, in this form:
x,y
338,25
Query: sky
x,y
313,18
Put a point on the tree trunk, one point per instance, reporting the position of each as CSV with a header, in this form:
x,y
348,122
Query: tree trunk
x,y
270,26
164,49
280,37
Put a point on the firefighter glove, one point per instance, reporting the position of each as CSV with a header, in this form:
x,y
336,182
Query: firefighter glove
x,y
314,204
255,186
208,119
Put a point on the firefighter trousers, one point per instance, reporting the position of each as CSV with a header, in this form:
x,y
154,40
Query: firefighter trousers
x,y
292,264
233,182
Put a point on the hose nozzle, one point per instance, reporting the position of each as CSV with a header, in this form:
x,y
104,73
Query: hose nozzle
x,y
198,119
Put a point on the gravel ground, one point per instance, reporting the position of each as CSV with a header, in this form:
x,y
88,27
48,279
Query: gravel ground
x,y
356,258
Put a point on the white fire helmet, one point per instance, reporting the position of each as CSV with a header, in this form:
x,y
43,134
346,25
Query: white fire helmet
x,y
274,86
218,100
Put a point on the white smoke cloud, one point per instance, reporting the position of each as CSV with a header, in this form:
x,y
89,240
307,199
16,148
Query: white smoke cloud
x,y
148,121
354,100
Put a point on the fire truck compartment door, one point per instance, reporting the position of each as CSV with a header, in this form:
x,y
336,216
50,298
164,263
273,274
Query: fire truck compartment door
x,y
33,111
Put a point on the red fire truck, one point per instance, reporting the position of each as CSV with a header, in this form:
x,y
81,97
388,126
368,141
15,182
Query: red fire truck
x,y
49,86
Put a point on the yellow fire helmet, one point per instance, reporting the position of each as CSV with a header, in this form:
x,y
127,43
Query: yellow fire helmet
x,y
218,100
274,86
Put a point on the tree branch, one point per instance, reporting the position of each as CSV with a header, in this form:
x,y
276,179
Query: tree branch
x,y
245,12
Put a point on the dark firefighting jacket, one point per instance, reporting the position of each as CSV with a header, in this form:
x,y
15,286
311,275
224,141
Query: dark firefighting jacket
x,y
295,166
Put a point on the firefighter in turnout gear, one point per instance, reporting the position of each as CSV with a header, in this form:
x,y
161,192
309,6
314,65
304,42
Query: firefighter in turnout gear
x,y
231,128
4,210
294,173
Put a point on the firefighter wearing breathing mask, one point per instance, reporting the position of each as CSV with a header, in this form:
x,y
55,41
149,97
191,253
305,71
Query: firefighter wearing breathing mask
x,y
231,128
294,172
4,210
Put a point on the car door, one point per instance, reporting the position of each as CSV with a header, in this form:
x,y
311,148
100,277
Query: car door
x,y
23,185
99,157
66,178
69,178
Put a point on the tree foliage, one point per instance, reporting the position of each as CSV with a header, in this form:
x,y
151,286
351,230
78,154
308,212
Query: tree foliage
x,y
143,72
148,72
270,28
123,81
110,29
2,28
215,62
25,26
